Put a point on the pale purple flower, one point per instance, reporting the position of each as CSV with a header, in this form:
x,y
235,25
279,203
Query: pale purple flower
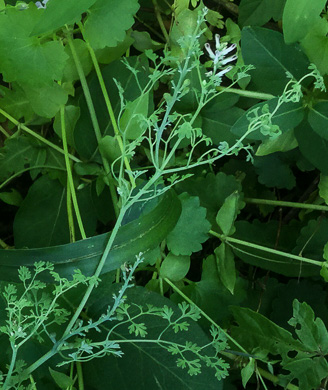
x,y
219,57
42,5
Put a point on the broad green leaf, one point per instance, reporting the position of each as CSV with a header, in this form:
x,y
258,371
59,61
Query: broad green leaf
x,y
311,331
299,17
140,235
70,72
181,5
16,103
153,367
308,372
110,54
212,191
174,267
143,41
233,31
255,330
272,58
318,119
323,188
247,371
227,214
313,334
17,154
313,147
312,239
286,117
102,204
184,25
217,124
42,221
132,120
191,229
61,12
45,98
71,115
265,234
13,197
211,295
306,290
113,18
315,45
61,379
259,12
283,143
109,148
25,59
226,266
273,171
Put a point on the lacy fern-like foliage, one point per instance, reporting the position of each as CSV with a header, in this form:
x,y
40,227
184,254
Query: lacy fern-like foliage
x,y
32,310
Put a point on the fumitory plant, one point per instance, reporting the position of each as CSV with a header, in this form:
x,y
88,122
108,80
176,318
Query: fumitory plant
x,y
151,148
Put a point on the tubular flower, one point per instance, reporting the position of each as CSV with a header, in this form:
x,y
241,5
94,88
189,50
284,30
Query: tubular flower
x,y
219,57
42,5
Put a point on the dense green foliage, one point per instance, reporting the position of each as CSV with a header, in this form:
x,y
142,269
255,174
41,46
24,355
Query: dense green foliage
x,y
163,189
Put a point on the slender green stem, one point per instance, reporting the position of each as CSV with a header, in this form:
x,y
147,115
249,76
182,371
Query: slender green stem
x,y
11,367
4,245
96,275
33,383
71,193
250,94
265,249
36,135
286,204
274,379
4,132
108,104
70,217
80,375
160,21
2,185
150,28
184,296
93,116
